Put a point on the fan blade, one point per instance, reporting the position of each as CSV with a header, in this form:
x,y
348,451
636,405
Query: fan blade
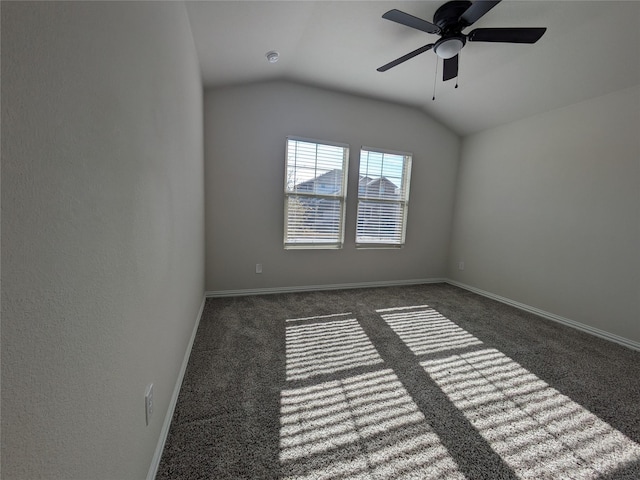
x,y
410,21
406,57
450,69
506,35
476,11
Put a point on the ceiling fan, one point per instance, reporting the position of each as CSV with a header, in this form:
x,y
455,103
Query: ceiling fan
x,y
448,22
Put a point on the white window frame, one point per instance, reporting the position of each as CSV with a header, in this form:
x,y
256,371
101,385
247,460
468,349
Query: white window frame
x,y
292,241
402,201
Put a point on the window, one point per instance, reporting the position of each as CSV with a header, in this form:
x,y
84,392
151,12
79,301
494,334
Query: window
x,y
383,195
315,190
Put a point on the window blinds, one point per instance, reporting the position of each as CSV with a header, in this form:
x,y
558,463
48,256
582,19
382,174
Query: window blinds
x,y
383,197
315,190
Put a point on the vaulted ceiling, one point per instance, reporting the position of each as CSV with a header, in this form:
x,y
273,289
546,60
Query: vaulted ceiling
x,y
590,48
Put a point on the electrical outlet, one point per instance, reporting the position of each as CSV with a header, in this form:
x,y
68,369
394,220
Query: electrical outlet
x,y
460,265
148,403
258,268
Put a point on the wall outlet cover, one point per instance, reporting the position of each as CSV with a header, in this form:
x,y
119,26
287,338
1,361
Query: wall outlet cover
x,y
148,403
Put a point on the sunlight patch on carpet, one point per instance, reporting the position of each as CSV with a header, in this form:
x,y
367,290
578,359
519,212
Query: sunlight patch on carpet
x,y
539,432
424,330
327,346
533,427
319,317
363,426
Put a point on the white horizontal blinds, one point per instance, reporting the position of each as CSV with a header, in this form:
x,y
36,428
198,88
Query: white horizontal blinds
x,y
315,188
383,195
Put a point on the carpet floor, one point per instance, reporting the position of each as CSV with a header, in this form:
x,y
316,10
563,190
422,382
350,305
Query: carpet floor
x,y
417,382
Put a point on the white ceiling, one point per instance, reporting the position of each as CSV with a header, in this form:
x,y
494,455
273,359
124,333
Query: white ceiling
x,y
590,48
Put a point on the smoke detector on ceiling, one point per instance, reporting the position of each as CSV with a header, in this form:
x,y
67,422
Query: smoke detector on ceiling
x,y
272,56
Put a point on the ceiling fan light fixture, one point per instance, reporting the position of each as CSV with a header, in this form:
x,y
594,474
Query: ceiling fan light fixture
x,y
449,47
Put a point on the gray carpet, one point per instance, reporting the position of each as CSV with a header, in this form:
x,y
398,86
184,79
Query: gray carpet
x,y
418,382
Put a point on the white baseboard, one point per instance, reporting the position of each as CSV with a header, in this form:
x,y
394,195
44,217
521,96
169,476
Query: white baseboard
x,y
551,316
155,462
312,288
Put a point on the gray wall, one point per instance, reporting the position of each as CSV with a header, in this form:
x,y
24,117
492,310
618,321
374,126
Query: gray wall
x,y
245,130
102,231
548,212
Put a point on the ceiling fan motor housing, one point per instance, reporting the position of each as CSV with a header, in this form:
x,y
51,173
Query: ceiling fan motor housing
x,y
447,17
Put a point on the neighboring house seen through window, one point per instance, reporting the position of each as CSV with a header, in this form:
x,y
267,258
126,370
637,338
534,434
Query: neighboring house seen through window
x,y
315,190
383,198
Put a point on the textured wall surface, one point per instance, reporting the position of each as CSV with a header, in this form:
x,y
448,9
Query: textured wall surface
x,y
245,132
548,212
102,231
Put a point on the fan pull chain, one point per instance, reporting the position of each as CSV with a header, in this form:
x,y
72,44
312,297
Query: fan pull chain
x,y
435,80
458,76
